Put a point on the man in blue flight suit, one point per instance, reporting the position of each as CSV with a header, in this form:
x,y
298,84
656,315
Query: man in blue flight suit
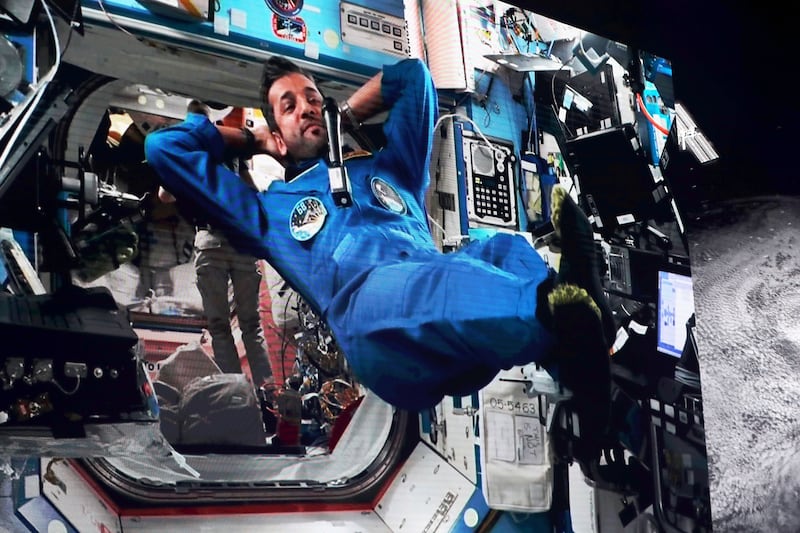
x,y
415,324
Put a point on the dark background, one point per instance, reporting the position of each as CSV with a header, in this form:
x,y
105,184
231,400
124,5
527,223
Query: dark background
x,y
733,66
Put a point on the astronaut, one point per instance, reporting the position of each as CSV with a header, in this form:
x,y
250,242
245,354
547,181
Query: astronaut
x,y
415,324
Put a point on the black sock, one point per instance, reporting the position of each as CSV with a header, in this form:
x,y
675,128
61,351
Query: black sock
x,y
585,369
543,314
579,262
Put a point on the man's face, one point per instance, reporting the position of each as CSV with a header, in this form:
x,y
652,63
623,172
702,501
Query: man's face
x,y
297,106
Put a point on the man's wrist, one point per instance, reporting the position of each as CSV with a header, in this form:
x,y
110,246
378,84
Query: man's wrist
x,y
250,145
349,118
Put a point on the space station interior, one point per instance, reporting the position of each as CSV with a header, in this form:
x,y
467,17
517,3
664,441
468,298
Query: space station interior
x,y
107,373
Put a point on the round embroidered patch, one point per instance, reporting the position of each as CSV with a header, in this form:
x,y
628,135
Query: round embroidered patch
x,y
388,196
308,216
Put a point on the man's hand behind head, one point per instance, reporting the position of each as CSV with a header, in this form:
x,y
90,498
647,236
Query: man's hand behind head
x,y
266,143
165,196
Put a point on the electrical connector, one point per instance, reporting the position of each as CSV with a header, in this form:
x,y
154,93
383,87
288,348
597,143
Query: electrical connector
x,y
75,370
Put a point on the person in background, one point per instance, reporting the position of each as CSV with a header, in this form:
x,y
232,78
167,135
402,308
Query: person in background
x,y
219,266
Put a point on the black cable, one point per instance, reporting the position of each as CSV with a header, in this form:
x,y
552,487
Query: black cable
x,y
71,25
534,147
562,124
553,82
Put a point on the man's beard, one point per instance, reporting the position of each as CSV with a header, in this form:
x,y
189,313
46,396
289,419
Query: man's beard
x,y
308,152
302,161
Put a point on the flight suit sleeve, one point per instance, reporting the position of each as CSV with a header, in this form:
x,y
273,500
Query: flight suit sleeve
x,y
188,157
407,89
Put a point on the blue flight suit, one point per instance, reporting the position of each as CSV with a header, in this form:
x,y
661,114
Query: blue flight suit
x,y
415,324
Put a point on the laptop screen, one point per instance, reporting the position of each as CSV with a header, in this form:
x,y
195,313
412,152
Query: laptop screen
x,y
675,307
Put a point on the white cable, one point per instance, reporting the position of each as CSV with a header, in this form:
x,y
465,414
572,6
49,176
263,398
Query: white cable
x,y
39,92
445,237
433,220
480,133
114,22
55,36
463,117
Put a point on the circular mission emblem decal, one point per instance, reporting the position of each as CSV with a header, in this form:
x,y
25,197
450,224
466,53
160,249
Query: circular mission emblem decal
x,y
308,216
388,196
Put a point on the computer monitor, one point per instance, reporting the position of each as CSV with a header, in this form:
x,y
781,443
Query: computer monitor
x,y
675,307
585,102
616,182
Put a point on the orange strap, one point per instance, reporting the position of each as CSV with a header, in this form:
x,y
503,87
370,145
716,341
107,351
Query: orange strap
x,y
191,8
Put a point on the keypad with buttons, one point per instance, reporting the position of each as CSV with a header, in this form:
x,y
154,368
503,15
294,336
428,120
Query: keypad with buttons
x,y
492,198
372,29
491,186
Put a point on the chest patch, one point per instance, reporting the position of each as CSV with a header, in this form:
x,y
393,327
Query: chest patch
x,y
388,196
307,218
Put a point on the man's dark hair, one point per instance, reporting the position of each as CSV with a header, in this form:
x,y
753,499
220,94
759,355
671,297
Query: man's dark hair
x,y
275,68
196,106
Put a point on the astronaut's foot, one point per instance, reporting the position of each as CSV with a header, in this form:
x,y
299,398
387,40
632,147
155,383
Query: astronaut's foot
x,y
584,366
579,262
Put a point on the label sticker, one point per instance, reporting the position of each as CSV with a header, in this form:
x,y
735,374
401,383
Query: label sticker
x,y
290,29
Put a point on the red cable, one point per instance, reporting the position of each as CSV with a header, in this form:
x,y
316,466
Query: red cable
x,y
649,117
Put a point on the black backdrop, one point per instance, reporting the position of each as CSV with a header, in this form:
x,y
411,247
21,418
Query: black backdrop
x,y
732,66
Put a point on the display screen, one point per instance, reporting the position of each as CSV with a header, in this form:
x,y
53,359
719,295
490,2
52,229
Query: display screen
x,y
675,307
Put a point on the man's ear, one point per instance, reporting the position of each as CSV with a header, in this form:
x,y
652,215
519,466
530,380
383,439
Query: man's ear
x,y
282,148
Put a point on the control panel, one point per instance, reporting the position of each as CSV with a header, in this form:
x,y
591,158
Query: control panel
x,y
365,27
491,183
66,359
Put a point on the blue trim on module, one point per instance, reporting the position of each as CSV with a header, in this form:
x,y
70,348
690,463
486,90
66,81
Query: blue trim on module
x,y
477,503
364,63
458,140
